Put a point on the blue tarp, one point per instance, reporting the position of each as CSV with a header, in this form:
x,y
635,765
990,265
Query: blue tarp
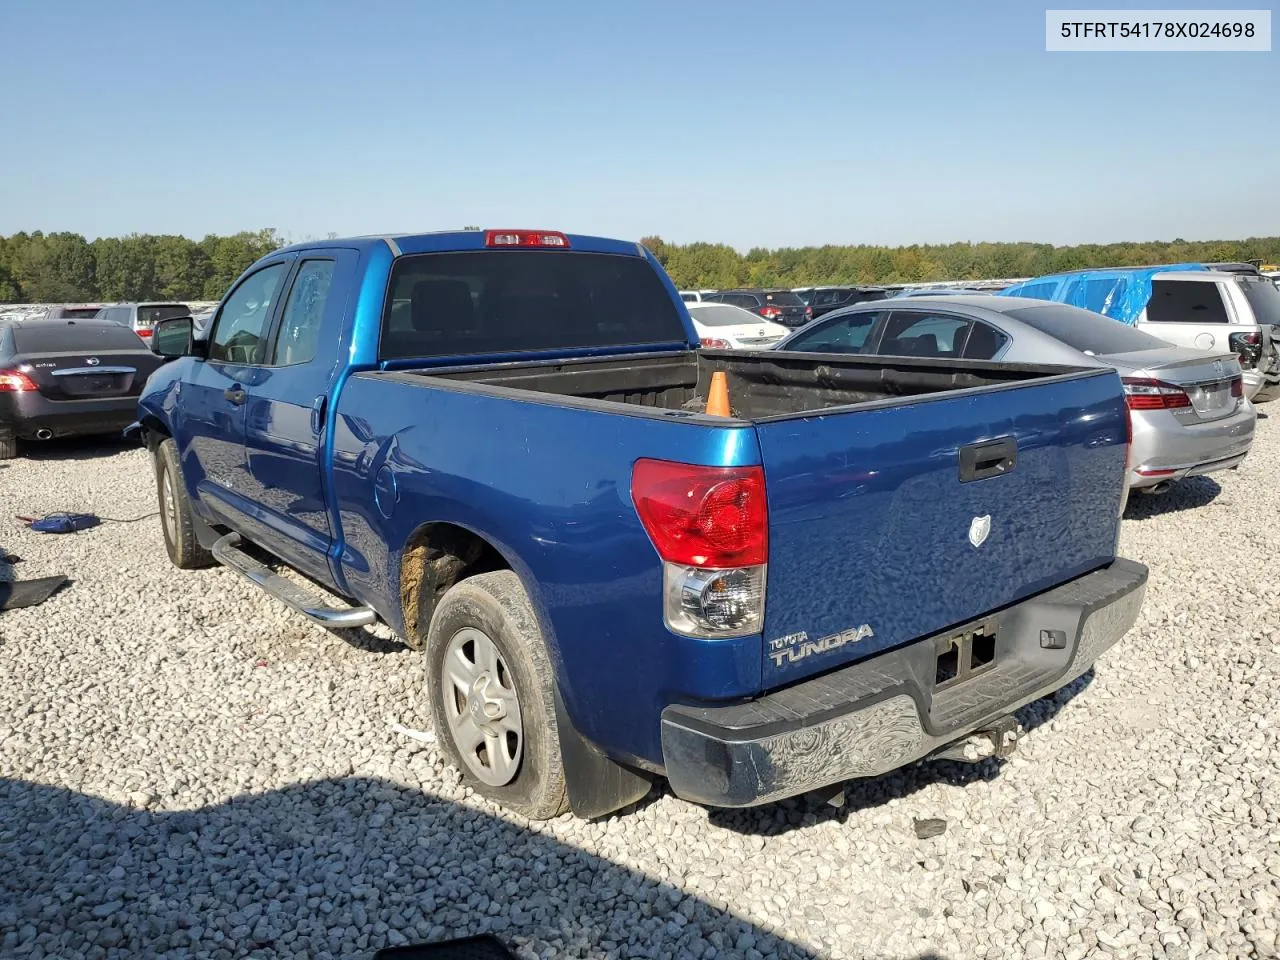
x,y
1119,293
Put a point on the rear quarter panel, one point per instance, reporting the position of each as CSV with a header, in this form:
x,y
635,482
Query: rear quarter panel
x,y
548,485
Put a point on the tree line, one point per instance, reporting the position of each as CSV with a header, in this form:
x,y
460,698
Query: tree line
x,y
696,266
64,267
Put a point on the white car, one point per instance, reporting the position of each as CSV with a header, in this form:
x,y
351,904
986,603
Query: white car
x,y
724,327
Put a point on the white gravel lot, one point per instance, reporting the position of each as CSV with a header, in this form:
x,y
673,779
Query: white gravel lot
x,y
186,769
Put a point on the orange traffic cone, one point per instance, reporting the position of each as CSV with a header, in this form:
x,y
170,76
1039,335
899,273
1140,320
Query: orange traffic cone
x,y
718,396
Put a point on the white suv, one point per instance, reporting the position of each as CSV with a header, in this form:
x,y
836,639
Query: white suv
x,y
1214,310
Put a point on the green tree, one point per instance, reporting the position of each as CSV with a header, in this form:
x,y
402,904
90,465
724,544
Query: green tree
x,y
55,268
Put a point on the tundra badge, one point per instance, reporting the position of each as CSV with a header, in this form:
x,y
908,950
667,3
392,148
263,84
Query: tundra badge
x,y
979,529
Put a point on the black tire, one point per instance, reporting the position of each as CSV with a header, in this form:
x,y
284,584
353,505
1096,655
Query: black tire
x,y
176,521
496,604
8,448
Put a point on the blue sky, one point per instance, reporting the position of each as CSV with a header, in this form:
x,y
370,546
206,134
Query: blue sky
x,y
746,122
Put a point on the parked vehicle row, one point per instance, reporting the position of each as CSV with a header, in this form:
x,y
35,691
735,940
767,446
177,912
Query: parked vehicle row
x,y
1235,310
1188,411
499,443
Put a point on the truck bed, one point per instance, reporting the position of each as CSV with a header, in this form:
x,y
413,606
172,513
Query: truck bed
x,y
763,385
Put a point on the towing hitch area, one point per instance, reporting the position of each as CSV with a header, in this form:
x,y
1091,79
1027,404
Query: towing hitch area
x,y
998,740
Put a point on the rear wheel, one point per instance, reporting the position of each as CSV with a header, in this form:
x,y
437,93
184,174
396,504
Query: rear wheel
x,y
492,695
176,519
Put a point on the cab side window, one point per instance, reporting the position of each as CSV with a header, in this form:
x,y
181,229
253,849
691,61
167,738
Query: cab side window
x,y
303,313
240,330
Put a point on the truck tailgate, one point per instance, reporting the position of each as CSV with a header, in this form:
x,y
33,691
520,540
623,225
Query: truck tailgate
x,y
875,540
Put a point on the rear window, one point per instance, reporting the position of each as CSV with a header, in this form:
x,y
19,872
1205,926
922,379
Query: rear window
x,y
150,316
1264,297
55,337
1185,301
511,301
74,313
721,315
1085,331
784,299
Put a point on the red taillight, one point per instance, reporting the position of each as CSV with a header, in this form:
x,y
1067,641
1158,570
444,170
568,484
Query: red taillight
x,y
715,343
143,331
1143,394
702,516
15,381
770,313
1237,386
526,238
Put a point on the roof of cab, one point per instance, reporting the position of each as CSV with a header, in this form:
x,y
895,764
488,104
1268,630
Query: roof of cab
x,y
458,241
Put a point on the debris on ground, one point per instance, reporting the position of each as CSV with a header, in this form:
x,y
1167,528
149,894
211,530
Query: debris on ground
x,y
930,827
28,593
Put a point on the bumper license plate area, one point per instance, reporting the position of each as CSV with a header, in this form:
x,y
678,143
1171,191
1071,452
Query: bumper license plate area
x,y
962,655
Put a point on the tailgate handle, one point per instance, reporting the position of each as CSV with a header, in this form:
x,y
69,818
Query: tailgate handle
x,y
991,458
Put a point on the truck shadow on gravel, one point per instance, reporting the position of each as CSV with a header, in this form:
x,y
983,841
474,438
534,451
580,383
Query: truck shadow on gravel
x,y
1186,494
784,816
333,868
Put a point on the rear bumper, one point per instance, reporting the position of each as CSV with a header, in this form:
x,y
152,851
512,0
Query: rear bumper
x,y
883,713
1165,450
24,414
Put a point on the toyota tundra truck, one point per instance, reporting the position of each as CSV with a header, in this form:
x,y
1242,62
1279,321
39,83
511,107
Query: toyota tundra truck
x,y
498,442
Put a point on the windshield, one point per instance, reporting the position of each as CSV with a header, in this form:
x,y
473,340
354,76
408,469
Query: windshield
x,y
721,315
511,301
1085,331
1264,297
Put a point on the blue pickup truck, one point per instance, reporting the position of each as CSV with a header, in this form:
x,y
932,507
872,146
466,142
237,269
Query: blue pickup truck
x,y
498,443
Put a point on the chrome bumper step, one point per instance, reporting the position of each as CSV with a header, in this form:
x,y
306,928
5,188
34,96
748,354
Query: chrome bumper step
x,y
228,553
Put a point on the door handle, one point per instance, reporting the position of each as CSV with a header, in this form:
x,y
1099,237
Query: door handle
x,y
317,413
988,459
235,394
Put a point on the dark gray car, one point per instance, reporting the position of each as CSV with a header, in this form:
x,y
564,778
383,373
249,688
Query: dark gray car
x,y
62,378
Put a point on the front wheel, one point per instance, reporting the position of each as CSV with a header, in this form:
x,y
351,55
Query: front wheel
x,y
176,518
492,695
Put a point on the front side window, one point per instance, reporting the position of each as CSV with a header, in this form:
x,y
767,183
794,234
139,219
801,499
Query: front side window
x,y
1185,301
846,334
303,313
240,331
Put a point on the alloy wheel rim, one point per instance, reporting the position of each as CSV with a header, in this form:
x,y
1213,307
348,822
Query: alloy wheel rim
x,y
170,513
482,707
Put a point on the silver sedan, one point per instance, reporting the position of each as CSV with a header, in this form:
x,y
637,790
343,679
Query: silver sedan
x,y
1187,407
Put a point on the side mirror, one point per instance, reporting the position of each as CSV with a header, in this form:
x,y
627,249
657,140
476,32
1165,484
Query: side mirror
x,y
174,338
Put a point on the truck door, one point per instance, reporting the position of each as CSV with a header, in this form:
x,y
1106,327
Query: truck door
x,y
285,413
210,431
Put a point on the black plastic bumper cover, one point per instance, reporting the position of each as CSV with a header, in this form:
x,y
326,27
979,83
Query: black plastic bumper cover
x,y
884,712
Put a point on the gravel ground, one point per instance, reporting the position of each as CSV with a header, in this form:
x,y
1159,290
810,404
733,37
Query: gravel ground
x,y
186,769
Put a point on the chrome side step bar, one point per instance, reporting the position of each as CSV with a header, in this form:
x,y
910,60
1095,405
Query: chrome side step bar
x,y
228,553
